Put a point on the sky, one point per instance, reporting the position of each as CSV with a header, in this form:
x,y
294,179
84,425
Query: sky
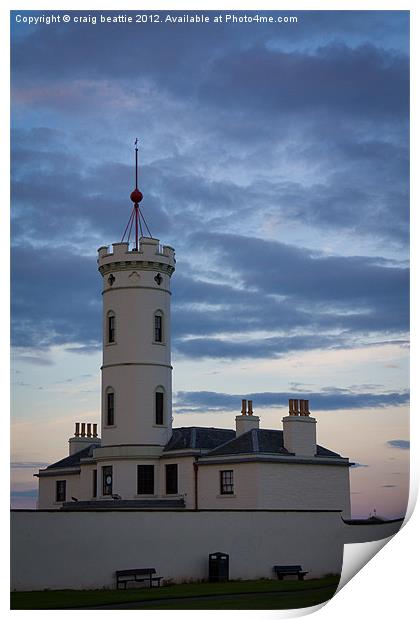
x,y
274,159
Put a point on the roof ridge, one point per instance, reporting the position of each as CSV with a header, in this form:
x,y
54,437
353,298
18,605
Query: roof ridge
x,y
212,428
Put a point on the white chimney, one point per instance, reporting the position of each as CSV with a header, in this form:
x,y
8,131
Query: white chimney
x,y
84,435
299,430
247,420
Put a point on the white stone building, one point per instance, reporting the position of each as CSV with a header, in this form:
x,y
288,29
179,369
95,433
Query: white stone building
x,y
140,461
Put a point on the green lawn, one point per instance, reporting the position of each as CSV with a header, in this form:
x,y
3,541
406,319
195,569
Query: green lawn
x,y
261,594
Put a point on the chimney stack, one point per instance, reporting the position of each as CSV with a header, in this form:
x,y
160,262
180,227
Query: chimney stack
x,y
299,430
247,420
83,437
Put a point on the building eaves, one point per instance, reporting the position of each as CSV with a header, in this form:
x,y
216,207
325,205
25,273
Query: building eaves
x,y
58,471
271,458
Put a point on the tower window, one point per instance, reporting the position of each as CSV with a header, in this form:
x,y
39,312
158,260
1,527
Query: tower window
x,y
111,328
158,328
145,479
171,472
60,491
107,480
159,407
226,482
110,408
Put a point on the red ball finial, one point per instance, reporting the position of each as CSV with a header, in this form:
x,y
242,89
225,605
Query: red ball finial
x,y
136,195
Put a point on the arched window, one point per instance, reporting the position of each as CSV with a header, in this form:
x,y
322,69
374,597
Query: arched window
x,y
159,405
110,327
110,407
158,326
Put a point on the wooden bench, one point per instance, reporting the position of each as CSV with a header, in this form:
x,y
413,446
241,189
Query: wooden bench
x,y
137,574
281,571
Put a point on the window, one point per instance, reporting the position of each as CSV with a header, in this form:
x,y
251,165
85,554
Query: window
x,y
145,479
111,328
107,480
110,408
159,407
158,327
226,482
94,483
60,491
171,472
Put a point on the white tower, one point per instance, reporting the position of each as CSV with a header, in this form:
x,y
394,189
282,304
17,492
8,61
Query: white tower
x,y
136,370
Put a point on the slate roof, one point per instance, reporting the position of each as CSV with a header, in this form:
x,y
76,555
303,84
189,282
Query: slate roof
x,y
198,438
74,459
214,441
261,440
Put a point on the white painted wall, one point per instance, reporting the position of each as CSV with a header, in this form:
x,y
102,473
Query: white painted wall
x,y
135,365
280,486
245,481
83,550
368,533
277,486
46,492
314,487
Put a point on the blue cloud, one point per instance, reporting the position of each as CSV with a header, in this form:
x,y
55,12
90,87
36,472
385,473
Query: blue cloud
x,y
401,444
28,493
203,402
227,170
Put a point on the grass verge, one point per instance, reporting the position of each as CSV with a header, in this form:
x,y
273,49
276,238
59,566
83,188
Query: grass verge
x,y
261,594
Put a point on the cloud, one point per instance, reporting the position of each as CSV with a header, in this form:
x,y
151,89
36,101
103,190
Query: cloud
x,y
55,299
401,444
255,311
204,402
335,79
253,200
28,493
27,465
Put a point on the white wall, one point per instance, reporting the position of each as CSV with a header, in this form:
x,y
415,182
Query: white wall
x,y
47,486
84,549
314,487
135,365
367,533
277,486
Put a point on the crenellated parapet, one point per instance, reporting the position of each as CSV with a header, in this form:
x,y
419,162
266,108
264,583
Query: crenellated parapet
x,y
151,256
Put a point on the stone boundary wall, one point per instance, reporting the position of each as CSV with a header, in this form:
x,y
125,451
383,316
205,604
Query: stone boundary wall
x,y
82,550
358,532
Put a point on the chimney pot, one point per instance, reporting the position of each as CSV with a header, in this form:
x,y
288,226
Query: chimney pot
x,y
243,411
95,430
302,407
83,433
250,412
89,429
77,430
